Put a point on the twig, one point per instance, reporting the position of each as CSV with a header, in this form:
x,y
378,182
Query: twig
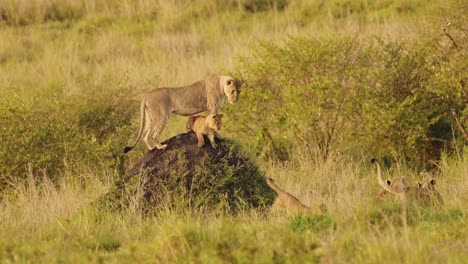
x,y
445,30
459,124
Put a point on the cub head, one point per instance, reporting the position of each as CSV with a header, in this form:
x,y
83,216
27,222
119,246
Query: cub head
x,y
231,87
214,121
428,184
428,194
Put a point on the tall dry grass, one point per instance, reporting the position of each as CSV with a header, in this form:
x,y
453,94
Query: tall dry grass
x,y
50,223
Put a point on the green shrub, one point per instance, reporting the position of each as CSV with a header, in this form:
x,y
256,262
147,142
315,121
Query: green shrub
x,y
70,133
342,95
36,141
407,112
307,92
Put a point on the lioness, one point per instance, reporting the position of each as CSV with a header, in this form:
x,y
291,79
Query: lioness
x,y
205,125
423,193
205,95
286,202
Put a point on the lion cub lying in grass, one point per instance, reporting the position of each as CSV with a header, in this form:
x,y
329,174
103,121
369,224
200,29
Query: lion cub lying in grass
x,y
286,202
205,125
422,193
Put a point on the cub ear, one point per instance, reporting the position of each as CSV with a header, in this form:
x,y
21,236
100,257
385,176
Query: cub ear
x,y
220,115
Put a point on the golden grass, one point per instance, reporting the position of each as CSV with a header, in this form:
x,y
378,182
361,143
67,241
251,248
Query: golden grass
x,y
50,223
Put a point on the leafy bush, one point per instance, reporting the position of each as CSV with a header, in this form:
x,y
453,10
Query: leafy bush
x,y
307,91
72,133
342,95
408,111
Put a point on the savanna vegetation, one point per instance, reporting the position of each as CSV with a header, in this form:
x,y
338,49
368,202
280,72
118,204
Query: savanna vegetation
x,y
329,84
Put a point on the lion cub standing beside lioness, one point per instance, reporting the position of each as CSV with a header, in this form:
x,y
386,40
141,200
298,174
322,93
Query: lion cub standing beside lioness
x,y
159,104
205,125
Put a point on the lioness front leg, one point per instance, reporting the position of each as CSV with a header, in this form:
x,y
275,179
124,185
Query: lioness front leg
x,y
201,140
212,140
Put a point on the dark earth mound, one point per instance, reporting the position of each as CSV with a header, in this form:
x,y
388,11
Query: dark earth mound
x,y
185,175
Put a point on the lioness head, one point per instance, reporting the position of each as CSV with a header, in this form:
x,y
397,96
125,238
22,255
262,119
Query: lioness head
x,y
398,185
214,121
231,87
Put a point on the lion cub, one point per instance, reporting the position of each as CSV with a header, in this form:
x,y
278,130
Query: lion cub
x,y
205,125
428,194
286,201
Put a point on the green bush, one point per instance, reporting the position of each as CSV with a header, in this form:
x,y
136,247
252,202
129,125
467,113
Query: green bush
x,y
307,92
45,138
407,109
342,95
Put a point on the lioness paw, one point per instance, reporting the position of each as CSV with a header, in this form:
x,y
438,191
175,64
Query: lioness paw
x,y
161,146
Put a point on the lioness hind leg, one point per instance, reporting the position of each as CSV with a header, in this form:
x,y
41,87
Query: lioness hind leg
x,y
146,139
156,133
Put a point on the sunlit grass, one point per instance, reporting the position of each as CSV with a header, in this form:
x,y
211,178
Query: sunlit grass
x,y
52,52
51,223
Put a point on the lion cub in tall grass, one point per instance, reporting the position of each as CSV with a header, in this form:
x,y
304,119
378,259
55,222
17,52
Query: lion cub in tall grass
x,y
287,202
205,125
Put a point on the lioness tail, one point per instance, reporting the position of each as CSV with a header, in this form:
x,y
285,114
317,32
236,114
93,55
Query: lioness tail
x,y
142,125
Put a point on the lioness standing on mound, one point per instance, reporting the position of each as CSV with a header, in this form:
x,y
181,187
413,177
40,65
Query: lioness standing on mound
x,y
205,95
205,125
